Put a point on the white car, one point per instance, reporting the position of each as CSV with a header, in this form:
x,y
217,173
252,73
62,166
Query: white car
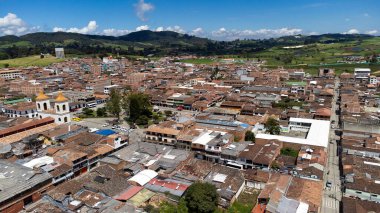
x,y
104,125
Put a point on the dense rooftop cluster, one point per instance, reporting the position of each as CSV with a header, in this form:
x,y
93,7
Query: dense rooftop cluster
x,y
289,141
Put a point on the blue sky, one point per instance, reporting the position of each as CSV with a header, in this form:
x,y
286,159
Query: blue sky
x,y
216,19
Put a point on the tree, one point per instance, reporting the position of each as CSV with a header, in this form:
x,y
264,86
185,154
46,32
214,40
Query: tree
x,y
113,104
88,112
201,197
168,113
142,120
273,126
139,105
101,112
151,209
166,207
249,136
125,103
182,208
289,152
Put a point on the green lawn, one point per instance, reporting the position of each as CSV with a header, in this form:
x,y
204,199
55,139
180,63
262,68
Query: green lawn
x,y
30,61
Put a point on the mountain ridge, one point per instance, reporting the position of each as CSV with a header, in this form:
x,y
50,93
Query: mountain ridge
x,y
151,42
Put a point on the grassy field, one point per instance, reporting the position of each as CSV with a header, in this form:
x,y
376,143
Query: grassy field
x,y
314,56
29,61
198,61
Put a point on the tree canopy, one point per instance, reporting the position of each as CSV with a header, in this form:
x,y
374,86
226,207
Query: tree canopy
x,y
272,126
201,197
139,107
250,136
289,152
113,104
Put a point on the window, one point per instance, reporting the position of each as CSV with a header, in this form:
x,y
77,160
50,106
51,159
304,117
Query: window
x,y
57,108
64,107
39,106
65,119
59,119
45,106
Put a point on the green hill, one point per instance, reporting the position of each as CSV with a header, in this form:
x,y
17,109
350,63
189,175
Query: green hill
x,y
326,48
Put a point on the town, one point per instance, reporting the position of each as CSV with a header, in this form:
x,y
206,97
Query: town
x,y
127,135
148,106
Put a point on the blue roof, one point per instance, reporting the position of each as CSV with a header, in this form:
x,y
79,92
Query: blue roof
x,y
245,126
105,132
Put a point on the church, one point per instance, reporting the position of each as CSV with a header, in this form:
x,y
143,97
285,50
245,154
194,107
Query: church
x,y
60,110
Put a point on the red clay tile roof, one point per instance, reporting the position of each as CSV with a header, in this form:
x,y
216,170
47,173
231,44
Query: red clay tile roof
x,y
130,192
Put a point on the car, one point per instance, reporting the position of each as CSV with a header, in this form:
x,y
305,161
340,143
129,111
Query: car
x,y
104,125
113,127
328,184
77,119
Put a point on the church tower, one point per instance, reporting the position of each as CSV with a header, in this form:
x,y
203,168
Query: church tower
x,y
42,102
62,109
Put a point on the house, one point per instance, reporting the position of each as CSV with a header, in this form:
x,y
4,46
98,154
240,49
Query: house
x,y
351,205
20,186
260,154
284,191
362,73
22,109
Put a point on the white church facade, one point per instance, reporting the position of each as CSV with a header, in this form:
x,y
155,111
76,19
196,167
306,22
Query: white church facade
x,y
60,110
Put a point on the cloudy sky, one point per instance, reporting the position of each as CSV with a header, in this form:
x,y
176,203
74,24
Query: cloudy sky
x,y
215,19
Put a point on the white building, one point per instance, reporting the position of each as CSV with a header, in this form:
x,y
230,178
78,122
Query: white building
x,y
317,132
107,89
10,74
373,80
362,73
59,53
60,112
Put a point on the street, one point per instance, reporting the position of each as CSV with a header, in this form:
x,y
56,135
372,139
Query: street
x,y
332,195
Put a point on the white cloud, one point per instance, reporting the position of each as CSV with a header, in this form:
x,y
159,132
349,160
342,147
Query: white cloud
x,y
59,29
224,34
371,32
11,20
90,28
11,24
159,29
176,29
115,32
352,31
143,27
141,8
197,32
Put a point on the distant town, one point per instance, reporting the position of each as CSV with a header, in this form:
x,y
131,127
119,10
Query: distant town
x,y
118,134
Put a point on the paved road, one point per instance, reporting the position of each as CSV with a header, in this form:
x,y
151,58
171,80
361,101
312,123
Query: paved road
x,y
332,196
